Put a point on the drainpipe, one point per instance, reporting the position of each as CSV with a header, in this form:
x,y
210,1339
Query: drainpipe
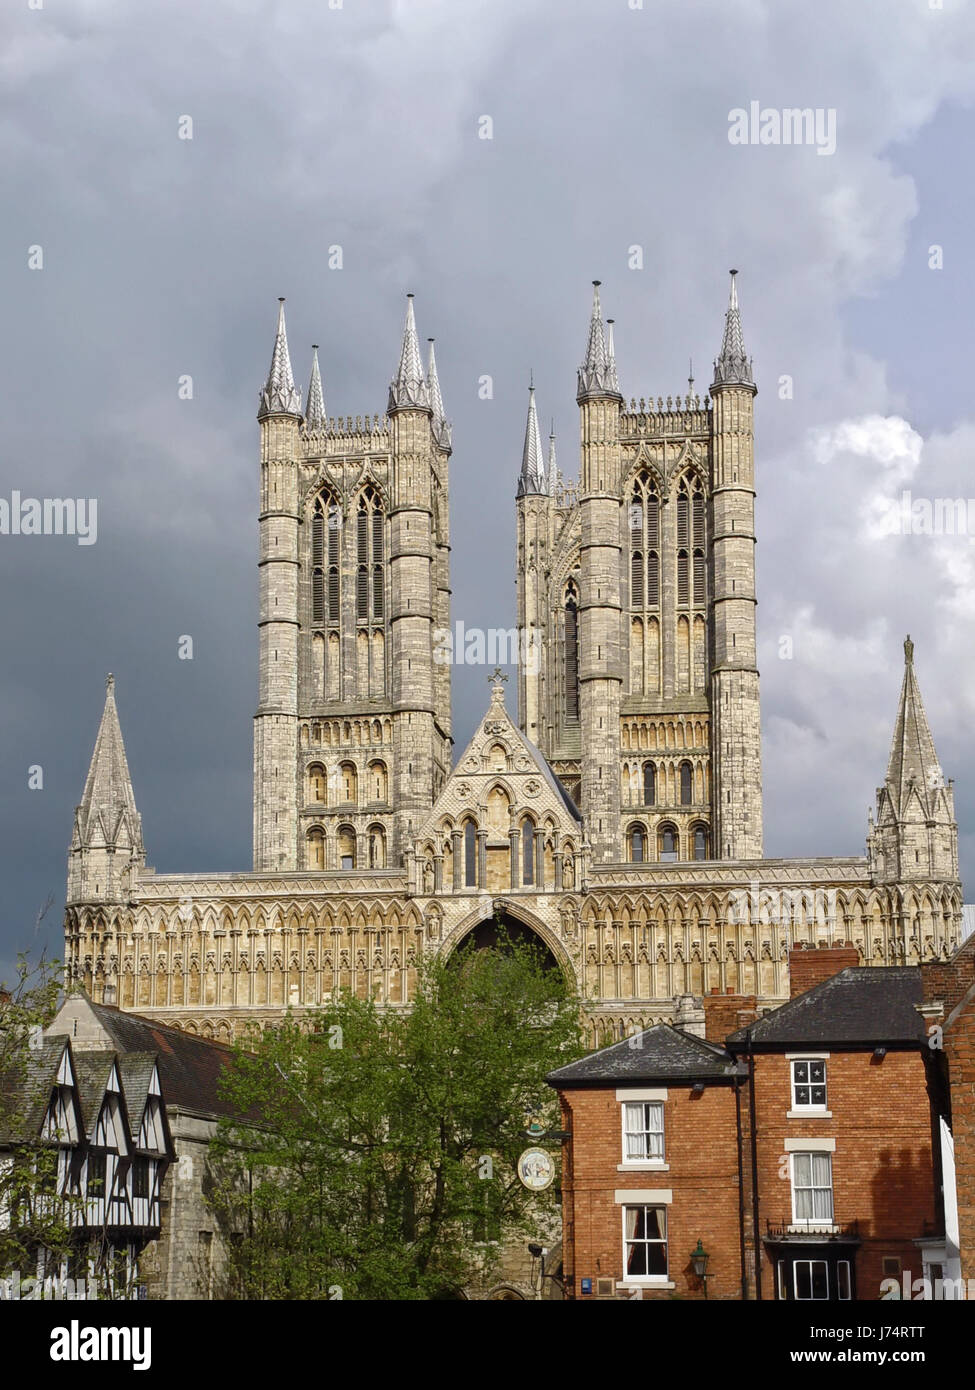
x,y
751,1111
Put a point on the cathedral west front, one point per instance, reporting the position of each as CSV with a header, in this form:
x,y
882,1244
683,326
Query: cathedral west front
x,y
615,817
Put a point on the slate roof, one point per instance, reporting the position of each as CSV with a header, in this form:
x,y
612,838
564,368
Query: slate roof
x,y
861,1007
92,1070
25,1104
659,1054
189,1068
135,1069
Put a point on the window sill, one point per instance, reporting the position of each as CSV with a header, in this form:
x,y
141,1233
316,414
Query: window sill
x,y
643,1165
654,1282
809,1113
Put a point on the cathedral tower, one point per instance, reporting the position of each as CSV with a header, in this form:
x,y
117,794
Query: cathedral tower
x,y
352,733
643,581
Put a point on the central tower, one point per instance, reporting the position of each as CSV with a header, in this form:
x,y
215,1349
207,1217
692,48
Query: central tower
x,y
352,735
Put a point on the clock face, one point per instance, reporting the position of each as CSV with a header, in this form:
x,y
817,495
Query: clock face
x,y
536,1169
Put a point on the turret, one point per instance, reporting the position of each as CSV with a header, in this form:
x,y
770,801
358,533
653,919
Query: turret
x,y
440,430
600,618
276,721
534,532
916,835
107,840
736,813
412,566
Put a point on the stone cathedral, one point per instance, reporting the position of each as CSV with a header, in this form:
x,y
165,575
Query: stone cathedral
x,y
617,820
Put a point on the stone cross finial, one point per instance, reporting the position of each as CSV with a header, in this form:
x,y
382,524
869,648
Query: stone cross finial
x,y
497,680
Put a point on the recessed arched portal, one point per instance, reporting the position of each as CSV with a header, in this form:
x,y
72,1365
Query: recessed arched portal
x,y
487,932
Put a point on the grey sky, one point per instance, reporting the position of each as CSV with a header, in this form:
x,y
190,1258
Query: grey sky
x,y
359,126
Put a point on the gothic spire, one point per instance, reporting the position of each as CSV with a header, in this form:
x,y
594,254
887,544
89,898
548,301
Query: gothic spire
x,y
913,763
441,430
532,477
108,799
732,367
597,375
279,396
315,406
553,472
408,390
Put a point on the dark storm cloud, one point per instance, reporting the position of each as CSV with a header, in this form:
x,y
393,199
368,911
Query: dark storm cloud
x,y
314,127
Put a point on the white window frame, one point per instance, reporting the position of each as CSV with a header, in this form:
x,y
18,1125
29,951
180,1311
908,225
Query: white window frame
x,y
660,1281
646,1160
799,1107
811,1222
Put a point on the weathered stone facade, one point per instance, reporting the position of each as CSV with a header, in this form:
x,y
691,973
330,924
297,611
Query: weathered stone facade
x,y
620,821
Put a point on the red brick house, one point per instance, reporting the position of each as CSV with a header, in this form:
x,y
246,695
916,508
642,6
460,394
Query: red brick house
x,y
795,1150
839,1160
651,1168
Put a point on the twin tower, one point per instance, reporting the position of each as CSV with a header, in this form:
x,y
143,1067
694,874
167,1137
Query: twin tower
x,y
636,601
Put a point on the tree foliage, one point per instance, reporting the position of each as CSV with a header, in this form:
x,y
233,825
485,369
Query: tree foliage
x,y
381,1163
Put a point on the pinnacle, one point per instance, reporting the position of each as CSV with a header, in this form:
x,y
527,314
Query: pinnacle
x,y
441,429
532,464
597,375
733,367
108,794
913,762
279,395
408,389
315,417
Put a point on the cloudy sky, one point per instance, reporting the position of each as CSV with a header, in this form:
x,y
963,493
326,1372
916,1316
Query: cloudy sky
x,y
358,126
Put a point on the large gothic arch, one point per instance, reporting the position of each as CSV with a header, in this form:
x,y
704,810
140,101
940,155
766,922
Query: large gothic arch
x,y
521,924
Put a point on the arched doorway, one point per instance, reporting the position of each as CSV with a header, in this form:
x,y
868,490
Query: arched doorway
x,y
500,931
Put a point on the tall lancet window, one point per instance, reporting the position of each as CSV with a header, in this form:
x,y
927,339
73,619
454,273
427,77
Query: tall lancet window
x,y
527,851
369,540
644,544
326,523
691,544
571,651
470,855
333,532
698,513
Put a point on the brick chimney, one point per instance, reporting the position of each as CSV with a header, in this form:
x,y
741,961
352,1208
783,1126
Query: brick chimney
x,y
726,1013
810,966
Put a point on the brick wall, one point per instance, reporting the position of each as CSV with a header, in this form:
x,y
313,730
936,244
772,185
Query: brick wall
x,y
810,967
726,1013
700,1149
959,1046
879,1117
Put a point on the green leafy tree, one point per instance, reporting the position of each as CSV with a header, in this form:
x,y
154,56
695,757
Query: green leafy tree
x,y
380,1161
